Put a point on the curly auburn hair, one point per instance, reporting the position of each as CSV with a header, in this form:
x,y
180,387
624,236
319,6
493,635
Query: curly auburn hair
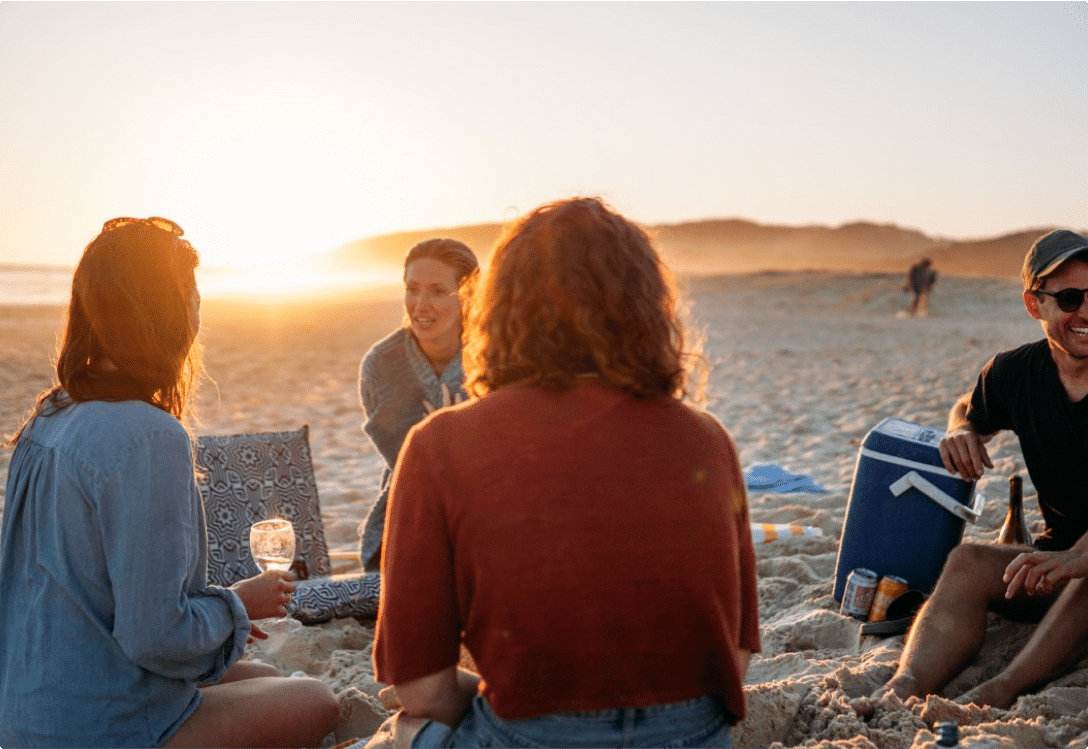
x,y
128,334
576,289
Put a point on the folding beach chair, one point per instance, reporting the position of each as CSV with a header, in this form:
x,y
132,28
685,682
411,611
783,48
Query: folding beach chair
x,y
244,478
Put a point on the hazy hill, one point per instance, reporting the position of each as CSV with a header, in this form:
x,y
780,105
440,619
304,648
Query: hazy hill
x,y
738,246
389,249
998,256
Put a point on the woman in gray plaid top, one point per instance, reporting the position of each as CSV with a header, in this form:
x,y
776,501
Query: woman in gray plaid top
x,y
416,369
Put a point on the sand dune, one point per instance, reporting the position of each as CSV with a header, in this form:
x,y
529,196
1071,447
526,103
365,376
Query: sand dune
x,y
734,245
803,366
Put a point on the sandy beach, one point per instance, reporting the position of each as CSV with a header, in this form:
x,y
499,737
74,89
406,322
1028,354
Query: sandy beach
x,y
803,365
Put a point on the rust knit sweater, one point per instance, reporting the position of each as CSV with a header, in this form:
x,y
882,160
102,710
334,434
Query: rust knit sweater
x,y
592,550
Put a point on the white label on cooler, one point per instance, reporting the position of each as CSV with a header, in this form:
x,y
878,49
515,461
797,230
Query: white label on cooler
x,y
908,430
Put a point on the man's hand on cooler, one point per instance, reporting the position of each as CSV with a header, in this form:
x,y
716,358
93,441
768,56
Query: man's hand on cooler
x,y
963,451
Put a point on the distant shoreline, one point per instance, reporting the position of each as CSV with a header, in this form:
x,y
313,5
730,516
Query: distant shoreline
x,y
58,296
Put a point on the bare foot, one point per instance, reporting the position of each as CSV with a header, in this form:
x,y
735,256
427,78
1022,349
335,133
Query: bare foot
x,y
902,685
991,693
888,695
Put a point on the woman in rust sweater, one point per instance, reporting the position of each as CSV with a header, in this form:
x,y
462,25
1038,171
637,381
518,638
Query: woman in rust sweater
x,y
579,527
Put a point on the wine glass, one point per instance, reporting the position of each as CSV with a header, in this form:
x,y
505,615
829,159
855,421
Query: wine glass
x,y
272,546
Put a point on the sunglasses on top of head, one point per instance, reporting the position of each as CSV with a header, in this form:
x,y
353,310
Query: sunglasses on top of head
x,y
1069,300
159,223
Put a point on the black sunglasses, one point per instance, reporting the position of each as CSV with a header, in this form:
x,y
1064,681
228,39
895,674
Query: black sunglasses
x,y
1069,300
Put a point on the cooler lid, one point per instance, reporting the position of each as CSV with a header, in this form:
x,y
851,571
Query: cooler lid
x,y
895,436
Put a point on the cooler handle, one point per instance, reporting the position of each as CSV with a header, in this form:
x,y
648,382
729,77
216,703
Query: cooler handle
x,y
914,479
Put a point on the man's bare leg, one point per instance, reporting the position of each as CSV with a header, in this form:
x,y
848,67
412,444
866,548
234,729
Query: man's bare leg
x,y
951,627
1060,640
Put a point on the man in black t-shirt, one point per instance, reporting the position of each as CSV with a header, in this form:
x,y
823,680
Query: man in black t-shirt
x,y
1040,391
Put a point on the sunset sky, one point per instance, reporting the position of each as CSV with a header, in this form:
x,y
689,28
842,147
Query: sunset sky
x,y
269,130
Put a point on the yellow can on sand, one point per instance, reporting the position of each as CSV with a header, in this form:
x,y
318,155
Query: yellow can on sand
x,y
888,589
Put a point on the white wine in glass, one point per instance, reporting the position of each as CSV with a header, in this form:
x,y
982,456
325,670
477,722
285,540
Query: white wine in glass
x,y
272,546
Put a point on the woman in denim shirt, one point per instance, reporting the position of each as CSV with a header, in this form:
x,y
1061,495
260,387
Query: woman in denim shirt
x,y
416,369
109,632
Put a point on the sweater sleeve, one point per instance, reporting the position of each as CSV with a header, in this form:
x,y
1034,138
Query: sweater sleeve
x,y
384,382
165,620
749,622
746,555
419,626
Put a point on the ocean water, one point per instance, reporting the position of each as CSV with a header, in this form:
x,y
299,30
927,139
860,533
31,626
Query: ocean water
x,y
28,284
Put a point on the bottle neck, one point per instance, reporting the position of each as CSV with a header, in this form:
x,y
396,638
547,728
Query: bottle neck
x,y
1016,492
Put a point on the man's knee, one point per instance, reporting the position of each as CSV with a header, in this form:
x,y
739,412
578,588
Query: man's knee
x,y
1074,594
976,567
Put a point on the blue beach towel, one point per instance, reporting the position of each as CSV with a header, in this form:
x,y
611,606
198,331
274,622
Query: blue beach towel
x,y
774,479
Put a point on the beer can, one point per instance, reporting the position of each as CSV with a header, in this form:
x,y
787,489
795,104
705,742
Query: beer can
x,y
889,588
859,592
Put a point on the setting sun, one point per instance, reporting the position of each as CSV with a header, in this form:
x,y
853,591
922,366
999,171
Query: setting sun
x,y
286,283
273,199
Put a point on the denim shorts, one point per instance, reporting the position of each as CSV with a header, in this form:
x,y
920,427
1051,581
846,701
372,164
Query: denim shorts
x,y
703,721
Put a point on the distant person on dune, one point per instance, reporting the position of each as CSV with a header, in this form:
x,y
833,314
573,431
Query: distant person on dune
x,y
1039,391
110,634
416,369
578,527
920,280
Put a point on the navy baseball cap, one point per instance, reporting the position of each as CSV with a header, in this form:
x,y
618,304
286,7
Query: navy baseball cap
x,y
1050,251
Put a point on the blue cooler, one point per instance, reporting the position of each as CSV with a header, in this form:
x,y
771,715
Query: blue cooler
x,y
905,511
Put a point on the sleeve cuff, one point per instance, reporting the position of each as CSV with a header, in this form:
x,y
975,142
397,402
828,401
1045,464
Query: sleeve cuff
x,y
235,646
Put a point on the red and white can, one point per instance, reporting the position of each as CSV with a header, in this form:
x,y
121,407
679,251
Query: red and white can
x,y
889,588
857,598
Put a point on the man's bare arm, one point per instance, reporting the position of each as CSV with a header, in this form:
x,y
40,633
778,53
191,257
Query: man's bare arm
x,y
963,449
957,417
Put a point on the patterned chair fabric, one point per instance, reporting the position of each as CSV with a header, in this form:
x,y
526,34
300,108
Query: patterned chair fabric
x,y
244,478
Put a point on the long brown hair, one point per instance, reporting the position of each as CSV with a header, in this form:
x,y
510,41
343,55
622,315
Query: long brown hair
x,y
575,289
128,334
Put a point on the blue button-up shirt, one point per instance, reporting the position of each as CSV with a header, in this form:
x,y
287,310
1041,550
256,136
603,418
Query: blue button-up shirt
x,y
107,623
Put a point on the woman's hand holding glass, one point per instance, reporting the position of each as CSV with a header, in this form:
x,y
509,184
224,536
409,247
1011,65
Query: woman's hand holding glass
x,y
266,595
272,546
